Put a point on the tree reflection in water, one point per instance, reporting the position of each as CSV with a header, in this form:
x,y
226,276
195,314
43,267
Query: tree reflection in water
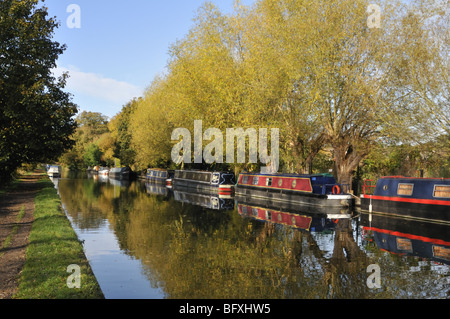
x,y
193,252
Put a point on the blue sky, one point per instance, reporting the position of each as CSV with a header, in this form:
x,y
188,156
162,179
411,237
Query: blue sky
x,y
120,46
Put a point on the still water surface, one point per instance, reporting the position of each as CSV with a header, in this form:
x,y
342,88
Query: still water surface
x,y
145,242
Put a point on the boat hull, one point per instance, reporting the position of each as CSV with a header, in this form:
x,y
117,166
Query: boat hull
x,y
303,198
224,190
54,174
415,209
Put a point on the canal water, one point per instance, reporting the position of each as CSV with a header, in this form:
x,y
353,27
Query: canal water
x,y
146,242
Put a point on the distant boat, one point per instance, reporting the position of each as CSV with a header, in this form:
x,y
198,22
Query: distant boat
x,y
103,171
420,198
54,171
219,182
120,173
320,190
158,175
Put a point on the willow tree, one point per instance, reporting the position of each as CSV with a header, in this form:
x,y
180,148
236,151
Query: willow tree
x,y
333,78
150,126
206,72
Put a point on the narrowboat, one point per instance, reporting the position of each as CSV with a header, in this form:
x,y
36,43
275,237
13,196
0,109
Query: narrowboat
x,y
221,183
320,190
419,198
159,175
120,173
54,171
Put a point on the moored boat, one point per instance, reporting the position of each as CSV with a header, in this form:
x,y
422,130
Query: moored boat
x,y
219,182
120,173
103,171
316,190
420,198
158,175
54,171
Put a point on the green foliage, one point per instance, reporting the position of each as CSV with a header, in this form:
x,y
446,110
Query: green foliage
x,y
120,130
91,141
36,116
429,159
92,155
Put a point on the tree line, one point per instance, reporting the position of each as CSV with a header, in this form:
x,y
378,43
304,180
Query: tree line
x,y
345,95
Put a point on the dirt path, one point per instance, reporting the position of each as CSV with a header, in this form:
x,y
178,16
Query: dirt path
x,y
14,231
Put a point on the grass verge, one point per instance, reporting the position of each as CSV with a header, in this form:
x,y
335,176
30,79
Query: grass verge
x,y
53,246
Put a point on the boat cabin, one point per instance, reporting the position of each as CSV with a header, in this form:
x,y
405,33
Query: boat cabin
x,y
321,184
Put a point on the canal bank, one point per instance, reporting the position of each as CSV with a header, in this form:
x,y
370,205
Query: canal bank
x,y
38,244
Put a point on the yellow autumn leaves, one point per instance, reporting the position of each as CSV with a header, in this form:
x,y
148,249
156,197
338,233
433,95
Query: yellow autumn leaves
x,y
313,69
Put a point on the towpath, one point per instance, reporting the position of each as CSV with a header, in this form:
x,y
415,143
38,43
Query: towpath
x,y
16,219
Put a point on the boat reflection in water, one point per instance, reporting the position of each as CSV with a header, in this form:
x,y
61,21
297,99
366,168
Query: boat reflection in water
x,y
405,237
291,214
157,189
205,199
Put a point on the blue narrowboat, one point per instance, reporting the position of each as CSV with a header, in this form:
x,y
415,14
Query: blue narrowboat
x,y
159,175
218,182
420,198
320,190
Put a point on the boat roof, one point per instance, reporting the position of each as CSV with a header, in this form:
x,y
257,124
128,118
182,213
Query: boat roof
x,y
415,178
289,174
201,171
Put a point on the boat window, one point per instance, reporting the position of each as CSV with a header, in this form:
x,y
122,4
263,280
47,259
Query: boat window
x,y
268,215
442,191
255,180
405,189
294,183
280,182
268,181
244,179
255,211
404,244
441,252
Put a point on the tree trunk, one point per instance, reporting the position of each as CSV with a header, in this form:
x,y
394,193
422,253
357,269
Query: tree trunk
x,y
347,160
